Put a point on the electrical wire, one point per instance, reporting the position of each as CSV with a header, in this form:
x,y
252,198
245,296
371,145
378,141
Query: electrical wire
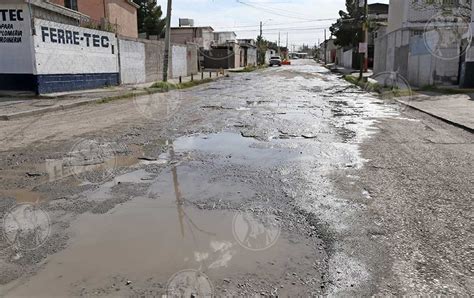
x,y
273,11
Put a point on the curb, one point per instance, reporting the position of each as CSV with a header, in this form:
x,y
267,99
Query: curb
x,y
46,110
459,125
7,117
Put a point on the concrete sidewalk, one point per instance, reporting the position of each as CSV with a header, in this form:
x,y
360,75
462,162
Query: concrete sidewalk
x,y
455,109
17,105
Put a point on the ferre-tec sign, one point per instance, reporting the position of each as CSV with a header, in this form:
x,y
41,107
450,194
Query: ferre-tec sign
x,y
67,49
65,36
11,15
10,31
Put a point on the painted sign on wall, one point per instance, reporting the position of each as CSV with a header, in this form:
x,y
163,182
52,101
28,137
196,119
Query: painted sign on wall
x,y
15,39
61,49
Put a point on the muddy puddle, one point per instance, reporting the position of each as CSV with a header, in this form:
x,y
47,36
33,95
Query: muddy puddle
x,y
180,224
146,242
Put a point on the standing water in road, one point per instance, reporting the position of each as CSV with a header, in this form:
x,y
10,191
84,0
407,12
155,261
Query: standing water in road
x,y
255,189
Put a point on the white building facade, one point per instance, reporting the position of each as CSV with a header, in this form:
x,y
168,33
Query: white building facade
x,y
426,42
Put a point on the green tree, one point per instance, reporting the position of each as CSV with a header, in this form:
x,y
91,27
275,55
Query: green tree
x,y
150,18
262,47
347,29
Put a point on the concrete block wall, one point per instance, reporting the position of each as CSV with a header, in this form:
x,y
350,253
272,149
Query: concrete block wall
x,y
239,55
339,56
141,60
154,52
380,53
132,62
63,57
192,59
252,56
407,53
70,58
347,59
179,65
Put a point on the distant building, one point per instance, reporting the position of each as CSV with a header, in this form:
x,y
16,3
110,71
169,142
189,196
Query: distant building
x,y
247,41
203,37
328,51
269,54
378,16
225,37
120,15
248,52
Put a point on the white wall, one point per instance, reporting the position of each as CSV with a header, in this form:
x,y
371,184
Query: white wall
x,y
252,56
224,37
16,50
347,59
179,62
396,14
207,39
269,54
80,51
132,62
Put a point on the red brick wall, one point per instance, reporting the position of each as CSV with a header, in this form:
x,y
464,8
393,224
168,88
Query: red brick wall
x,y
123,14
118,12
92,8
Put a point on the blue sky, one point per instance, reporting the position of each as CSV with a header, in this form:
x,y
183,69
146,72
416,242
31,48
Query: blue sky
x,y
300,19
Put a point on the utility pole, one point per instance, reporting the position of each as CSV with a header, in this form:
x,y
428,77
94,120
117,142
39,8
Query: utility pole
x,y
279,49
167,42
261,29
325,48
365,37
366,56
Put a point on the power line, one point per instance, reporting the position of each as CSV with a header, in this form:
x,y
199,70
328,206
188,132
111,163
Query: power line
x,y
283,29
278,24
273,11
274,8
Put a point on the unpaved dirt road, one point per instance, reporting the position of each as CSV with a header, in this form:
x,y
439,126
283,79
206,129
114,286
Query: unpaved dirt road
x,y
286,181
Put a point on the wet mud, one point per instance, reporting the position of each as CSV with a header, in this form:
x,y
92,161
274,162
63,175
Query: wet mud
x,y
262,190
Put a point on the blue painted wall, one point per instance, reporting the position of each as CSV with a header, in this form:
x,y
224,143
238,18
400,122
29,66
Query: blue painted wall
x,y
71,82
41,84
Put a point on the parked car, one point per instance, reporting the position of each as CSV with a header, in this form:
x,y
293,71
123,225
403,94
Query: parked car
x,y
275,61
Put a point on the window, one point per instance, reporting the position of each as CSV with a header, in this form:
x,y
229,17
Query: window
x,y
71,4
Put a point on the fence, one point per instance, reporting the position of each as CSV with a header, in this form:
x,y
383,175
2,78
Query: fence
x,y
410,53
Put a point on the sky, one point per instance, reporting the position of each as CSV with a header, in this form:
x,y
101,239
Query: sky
x,y
303,21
